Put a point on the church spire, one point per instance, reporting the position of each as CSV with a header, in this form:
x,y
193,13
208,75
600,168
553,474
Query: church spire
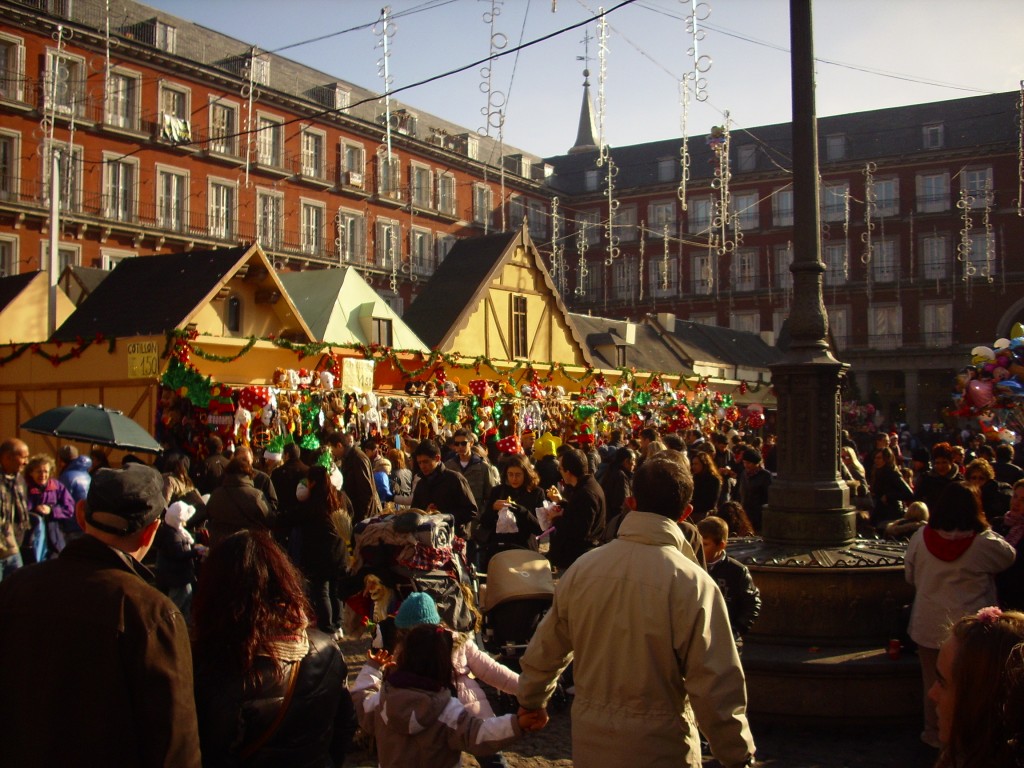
x,y
585,134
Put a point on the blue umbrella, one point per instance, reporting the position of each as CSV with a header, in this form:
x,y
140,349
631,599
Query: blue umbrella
x,y
93,424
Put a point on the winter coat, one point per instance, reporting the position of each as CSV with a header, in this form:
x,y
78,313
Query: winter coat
x,y
55,496
286,479
890,491
953,575
580,526
929,486
318,724
88,630
706,490
652,643
449,492
481,476
527,502
547,471
416,727
76,477
236,505
14,519
754,493
616,487
355,468
401,482
323,541
472,664
742,598
175,557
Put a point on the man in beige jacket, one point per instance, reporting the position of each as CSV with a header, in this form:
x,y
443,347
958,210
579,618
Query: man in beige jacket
x,y
649,635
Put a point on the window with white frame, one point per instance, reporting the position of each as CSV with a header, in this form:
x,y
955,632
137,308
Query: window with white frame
x,y
590,181
389,176
446,194
422,186
482,204
937,323
351,235
667,169
537,219
935,256
269,218
442,245
744,206
982,255
745,321
884,261
660,214
887,197
516,211
834,195
313,222
9,260
353,161
165,37
783,261
12,68
885,326
836,264
269,141
9,165
782,207
933,136
835,147
625,223
174,101
624,278
123,93
70,169
171,198
421,251
746,157
699,212
64,83
121,176
223,197
314,154
589,222
67,255
977,185
702,277
744,269
223,127
663,278
387,247
111,257
839,325
933,192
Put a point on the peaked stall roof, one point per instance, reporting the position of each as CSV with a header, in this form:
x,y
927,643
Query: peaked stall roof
x,y
336,302
12,286
151,295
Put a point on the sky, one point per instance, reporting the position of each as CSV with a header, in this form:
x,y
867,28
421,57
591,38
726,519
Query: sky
x,y
871,54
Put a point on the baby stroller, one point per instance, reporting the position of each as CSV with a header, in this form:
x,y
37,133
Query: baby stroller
x,y
519,591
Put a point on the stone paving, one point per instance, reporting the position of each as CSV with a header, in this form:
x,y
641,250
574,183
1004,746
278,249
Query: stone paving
x,y
777,746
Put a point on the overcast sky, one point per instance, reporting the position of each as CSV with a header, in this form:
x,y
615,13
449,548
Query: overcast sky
x,y
872,54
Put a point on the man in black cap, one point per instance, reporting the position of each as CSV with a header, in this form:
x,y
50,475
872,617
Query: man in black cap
x,y
84,634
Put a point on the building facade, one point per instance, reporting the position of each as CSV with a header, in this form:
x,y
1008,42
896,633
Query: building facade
x,y
170,136
921,237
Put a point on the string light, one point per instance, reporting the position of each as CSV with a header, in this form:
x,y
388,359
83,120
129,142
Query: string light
x,y
613,206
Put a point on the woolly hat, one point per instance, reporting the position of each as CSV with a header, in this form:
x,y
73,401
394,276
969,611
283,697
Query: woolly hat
x,y
418,608
752,455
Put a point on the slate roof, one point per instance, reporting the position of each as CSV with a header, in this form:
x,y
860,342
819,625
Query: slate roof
x,y
453,285
740,348
876,135
12,286
150,295
648,353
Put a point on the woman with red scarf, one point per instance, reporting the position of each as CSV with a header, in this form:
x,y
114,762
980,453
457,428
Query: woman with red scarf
x,y
952,563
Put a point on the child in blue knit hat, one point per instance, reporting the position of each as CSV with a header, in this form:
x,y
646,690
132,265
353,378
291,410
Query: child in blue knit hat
x,y
419,609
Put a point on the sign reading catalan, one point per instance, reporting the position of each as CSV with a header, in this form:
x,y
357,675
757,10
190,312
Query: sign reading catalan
x,y
143,360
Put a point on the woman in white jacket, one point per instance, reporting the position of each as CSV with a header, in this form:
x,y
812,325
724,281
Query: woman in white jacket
x,y
952,563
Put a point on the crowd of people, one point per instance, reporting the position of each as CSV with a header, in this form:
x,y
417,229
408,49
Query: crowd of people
x,y
213,589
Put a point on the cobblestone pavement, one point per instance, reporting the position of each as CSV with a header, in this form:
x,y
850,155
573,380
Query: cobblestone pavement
x,y
777,747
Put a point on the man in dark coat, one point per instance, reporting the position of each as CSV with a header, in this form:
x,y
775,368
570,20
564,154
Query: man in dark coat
x,y
358,476
753,484
86,633
441,488
580,524
210,471
287,477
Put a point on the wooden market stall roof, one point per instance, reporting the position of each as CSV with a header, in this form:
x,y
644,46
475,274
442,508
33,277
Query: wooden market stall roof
x,y
470,301
23,307
231,292
340,307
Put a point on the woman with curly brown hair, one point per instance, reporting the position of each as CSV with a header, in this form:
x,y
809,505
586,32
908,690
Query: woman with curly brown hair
x,y
270,689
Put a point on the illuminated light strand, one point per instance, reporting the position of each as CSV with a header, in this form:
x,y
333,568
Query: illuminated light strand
x,y
613,206
640,258
602,77
1020,152
581,248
